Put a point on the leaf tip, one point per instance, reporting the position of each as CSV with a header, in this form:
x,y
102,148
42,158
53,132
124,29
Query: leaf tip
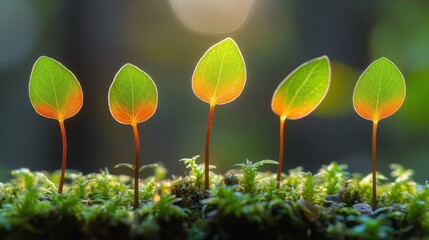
x,y
384,59
328,62
229,39
324,57
43,57
129,65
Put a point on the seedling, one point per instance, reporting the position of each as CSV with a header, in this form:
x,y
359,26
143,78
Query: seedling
x,y
219,78
379,93
55,93
133,99
249,172
299,94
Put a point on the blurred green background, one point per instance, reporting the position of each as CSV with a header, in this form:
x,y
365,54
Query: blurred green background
x,y
95,38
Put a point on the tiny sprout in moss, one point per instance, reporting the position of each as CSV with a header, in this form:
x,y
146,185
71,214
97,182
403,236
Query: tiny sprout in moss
x,y
133,99
219,78
299,94
249,172
196,172
55,93
379,93
98,206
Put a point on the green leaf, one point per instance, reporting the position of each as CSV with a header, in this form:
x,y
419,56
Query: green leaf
x,y
303,90
54,90
220,75
380,90
125,165
256,164
154,165
130,166
264,162
133,96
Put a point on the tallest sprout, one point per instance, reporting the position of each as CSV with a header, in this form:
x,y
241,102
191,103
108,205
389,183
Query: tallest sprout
x,y
55,93
379,93
219,78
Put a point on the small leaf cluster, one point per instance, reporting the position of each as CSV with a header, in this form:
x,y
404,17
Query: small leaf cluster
x,y
196,172
249,173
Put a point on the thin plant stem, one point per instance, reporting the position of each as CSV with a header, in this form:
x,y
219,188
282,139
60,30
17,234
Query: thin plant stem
x,y
207,152
281,150
136,166
374,164
64,157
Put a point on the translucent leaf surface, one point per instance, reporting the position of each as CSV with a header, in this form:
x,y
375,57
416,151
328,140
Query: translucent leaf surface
x,y
133,96
303,90
380,90
220,75
54,90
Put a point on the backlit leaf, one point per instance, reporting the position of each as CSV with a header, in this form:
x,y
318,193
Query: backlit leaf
x,y
220,75
303,90
54,90
380,90
133,96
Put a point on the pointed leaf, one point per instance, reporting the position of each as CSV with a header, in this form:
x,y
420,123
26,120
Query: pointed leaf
x,y
125,165
54,90
264,162
380,90
220,75
144,167
133,96
303,90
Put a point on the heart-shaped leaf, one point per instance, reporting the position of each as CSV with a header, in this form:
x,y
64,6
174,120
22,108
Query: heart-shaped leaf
x,y
133,96
303,90
380,90
54,90
220,75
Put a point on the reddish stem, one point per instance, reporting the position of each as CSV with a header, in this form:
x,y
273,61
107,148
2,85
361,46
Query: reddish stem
x,y
64,157
281,150
374,164
136,166
207,153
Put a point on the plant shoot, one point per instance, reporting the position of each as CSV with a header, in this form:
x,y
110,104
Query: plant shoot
x,y
379,93
133,99
219,78
55,93
299,94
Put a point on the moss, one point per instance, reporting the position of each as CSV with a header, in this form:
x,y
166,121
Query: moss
x,y
242,204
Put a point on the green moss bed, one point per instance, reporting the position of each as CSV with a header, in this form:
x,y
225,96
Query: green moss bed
x,y
242,204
